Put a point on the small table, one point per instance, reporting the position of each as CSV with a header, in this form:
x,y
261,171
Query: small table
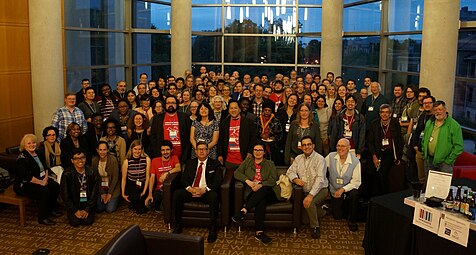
x,y
389,230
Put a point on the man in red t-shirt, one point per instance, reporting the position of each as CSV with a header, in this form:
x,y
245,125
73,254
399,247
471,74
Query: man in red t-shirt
x,y
173,126
237,138
160,169
277,95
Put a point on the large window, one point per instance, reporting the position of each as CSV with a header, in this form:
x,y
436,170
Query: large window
x,y
94,42
257,35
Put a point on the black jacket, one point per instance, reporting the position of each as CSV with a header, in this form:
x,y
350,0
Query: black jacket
x,y
70,188
157,134
336,131
67,146
248,136
375,140
26,169
213,174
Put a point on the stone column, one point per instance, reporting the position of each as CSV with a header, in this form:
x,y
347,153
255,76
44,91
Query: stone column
x,y
439,48
181,41
331,46
46,44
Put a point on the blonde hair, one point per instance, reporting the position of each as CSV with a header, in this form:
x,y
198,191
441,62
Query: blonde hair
x,y
134,144
25,138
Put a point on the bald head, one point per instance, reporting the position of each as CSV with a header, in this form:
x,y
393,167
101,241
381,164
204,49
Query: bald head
x,y
343,147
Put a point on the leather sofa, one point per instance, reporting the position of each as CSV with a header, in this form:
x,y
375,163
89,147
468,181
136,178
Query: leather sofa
x,y
198,213
133,240
282,214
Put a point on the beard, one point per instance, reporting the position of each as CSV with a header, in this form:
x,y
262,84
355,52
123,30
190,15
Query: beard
x,y
171,109
278,90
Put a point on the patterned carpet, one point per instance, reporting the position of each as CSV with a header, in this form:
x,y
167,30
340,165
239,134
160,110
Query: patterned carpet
x,y
64,239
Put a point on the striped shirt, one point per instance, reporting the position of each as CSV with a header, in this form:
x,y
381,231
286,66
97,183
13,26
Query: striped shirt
x,y
136,169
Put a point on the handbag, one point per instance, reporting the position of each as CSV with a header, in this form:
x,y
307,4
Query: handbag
x,y
286,186
58,171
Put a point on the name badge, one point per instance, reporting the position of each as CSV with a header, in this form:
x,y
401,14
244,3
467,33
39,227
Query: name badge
x,y
385,142
287,127
299,144
138,183
404,118
395,115
348,133
124,128
42,173
105,184
173,133
422,134
340,181
371,109
431,139
83,196
414,126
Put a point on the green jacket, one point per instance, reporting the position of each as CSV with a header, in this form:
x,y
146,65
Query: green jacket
x,y
449,144
247,171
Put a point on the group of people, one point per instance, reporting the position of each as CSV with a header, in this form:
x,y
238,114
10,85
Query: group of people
x,y
124,144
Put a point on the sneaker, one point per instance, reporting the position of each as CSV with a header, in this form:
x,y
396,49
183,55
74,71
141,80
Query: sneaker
x,y
238,217
261,236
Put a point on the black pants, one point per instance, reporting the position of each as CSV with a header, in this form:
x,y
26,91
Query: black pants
x,y
347,205
75,221
258,200
134,193
45,195
181,196
377,182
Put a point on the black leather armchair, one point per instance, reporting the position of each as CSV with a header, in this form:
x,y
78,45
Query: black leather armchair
x,y
198,213
283,214
133,240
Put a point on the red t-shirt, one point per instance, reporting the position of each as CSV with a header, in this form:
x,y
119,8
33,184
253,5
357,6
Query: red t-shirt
x,y
234,155
258,177
172,133
277,99
159,167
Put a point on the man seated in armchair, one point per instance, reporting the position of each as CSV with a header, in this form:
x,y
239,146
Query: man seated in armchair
x,y
201,181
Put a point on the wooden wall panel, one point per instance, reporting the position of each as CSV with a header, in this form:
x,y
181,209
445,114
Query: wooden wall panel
x,y
16,109
14,11
14,49
16,91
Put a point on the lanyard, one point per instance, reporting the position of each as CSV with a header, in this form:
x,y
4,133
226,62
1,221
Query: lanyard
x,y
385,130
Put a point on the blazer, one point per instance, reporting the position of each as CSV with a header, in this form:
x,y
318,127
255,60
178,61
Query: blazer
x,y
213,174
112,170
69,189
375,140
26,169
157,134
248,137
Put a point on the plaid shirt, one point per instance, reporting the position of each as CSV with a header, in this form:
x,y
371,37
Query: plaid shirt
x,y
398,106
63,117
257,107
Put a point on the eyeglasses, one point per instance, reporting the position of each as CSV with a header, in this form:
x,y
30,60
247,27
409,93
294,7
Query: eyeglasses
x,y
306,145
51,135
258,150
80,158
